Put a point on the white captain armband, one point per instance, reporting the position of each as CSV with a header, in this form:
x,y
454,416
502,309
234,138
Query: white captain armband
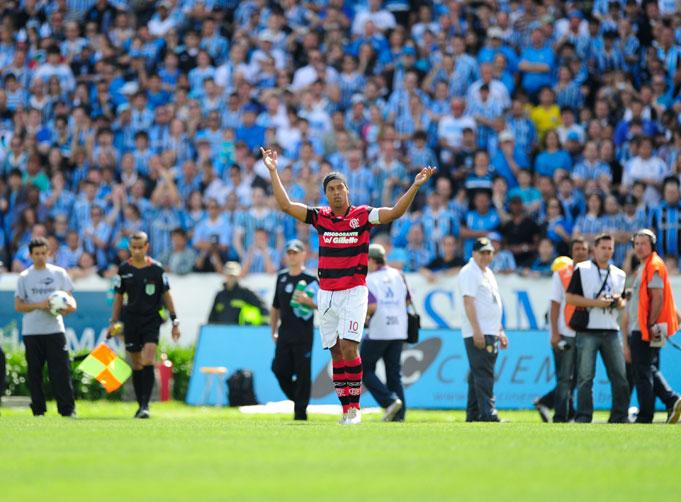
x,y
374,218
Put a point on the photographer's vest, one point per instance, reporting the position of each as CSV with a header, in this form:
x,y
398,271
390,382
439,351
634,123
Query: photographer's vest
x,y
592,278
565,275
654,265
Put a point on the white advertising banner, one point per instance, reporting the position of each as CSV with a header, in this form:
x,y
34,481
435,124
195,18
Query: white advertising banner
x,y
525,300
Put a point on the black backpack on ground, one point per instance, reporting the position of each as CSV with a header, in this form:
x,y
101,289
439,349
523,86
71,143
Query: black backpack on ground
x,y
240,390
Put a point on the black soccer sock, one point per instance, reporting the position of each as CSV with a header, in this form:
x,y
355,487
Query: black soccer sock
x,y
138,385
149,378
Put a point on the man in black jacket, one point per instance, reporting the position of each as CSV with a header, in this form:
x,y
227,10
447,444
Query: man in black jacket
x,y
3,372
236,304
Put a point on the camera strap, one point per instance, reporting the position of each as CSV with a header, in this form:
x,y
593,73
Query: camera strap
x,y
605,281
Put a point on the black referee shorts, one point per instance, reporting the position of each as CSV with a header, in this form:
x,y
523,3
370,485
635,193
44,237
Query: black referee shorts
x,y
136,335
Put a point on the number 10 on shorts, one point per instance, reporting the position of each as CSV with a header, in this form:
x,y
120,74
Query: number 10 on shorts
x,y
354,327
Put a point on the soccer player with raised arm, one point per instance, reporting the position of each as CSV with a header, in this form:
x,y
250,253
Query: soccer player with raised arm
x,y
343,258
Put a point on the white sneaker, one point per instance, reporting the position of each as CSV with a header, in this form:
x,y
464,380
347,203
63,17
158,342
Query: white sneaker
x,y
354,417
344,419
392,410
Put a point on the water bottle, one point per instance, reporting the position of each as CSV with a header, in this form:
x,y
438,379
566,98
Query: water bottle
x,y
299,287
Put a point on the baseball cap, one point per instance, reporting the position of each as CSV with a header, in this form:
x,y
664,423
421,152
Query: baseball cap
x,y
495,32
409,51
295,245
250,107
629,199
560,263
573,136
376,251
494,236
357,98
232,268
483,244
506,135
266,36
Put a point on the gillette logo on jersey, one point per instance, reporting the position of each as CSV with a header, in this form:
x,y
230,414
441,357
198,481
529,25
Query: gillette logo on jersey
x,y
343,245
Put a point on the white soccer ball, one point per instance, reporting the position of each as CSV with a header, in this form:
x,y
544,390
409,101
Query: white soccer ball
x,y
59,300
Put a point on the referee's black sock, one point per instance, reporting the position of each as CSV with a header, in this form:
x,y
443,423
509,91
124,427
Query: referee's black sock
x,y
148,385
138,385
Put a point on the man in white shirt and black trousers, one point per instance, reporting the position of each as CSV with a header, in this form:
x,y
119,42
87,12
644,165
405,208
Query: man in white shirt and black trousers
x,y
596,287
387,316
482,331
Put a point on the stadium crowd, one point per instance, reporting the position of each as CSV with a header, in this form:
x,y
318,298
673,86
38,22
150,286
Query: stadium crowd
x,y
547,119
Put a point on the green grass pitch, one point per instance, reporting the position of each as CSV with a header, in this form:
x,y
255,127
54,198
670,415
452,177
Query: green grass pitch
x,y
186,453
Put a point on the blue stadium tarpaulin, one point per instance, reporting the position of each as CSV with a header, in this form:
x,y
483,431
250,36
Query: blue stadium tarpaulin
x,y
434,370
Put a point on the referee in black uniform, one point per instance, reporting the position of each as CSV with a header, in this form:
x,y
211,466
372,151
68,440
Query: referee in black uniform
x,y
141,290
292,324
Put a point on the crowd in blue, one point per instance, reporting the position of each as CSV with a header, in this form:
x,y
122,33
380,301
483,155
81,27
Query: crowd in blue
x,y
546,119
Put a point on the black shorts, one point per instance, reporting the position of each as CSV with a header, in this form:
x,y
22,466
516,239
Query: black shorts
x,y
136,337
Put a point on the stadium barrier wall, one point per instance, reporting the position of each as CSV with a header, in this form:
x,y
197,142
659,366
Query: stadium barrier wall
x,y
434,370
525,304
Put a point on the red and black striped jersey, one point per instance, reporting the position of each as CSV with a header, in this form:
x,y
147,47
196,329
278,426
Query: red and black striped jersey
x,y
343,245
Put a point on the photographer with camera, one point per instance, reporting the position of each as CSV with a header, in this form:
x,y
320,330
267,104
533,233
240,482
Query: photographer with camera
x,y
596,289
562,337
649,320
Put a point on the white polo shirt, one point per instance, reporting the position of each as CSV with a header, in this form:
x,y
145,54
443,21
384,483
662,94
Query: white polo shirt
x,y
483,287
558,296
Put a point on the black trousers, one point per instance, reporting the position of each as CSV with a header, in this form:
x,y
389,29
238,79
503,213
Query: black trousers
x,y
648,379
481,403
3,373
560,398
51,349
292,365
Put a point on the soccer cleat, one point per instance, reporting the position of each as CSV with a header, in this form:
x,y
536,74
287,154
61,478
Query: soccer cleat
x,y
142,413
675,412
392,410
344,419
354,416
544,411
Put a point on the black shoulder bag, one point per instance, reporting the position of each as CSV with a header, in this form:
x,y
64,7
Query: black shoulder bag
x,y
580,317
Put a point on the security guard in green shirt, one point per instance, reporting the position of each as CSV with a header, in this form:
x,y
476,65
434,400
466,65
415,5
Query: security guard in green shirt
x,y
236,304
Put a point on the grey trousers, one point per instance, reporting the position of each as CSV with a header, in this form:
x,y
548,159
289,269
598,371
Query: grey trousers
x,y
481,403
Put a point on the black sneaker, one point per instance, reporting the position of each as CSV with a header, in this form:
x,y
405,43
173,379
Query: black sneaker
x,y
543,410
144,413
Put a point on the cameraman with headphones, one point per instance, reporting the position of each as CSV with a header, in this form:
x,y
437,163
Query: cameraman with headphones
x,y
650,319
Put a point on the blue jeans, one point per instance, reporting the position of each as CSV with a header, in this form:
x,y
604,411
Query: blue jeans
x,y
391,353
609,345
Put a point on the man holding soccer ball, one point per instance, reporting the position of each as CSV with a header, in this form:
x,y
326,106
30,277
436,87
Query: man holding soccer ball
x,y
44,296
